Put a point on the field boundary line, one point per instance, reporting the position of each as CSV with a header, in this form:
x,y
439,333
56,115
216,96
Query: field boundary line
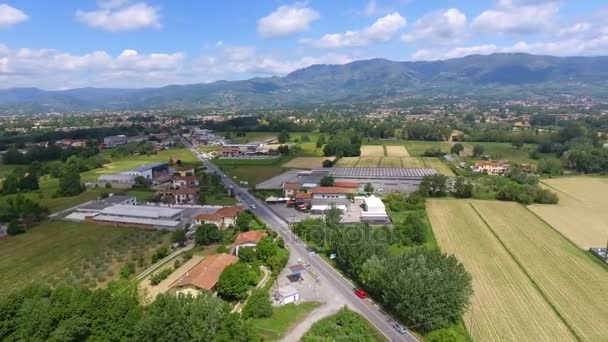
x,y
585,251
385,151
561,192
536,286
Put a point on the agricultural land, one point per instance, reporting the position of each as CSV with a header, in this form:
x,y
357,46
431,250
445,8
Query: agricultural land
x,y
508,248
581,214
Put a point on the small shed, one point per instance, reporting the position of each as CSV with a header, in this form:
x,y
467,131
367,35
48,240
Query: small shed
x,y
287,294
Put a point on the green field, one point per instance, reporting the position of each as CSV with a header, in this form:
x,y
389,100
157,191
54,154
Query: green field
x,y
417,148
308,149
132,162
506,305
283,317
73,253
252,170
506,151
574,284
406,162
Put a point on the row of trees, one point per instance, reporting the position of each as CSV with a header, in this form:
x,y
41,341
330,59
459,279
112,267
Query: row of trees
x,y
343,144
78,314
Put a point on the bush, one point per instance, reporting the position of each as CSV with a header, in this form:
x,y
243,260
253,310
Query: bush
x,y
445,335
221,249
156,278
247,254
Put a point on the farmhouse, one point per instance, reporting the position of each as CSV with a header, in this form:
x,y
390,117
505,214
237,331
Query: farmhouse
x,y
223,218
248,239
491,168
184,181
203,276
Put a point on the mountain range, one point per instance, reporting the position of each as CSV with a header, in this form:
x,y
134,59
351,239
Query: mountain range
x,y
492,77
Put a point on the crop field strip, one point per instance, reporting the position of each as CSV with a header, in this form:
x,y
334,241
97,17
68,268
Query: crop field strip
x,y
581,213
306,162
368,162
396,151
506,306
372,151
412,162
574,284
347,162
390,162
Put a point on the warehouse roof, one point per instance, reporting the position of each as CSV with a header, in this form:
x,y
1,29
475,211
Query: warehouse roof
x,y
137,220
148,167
105,202
142,211
381,172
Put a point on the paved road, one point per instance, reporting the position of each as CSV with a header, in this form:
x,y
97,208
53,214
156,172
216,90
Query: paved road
x,y
327,274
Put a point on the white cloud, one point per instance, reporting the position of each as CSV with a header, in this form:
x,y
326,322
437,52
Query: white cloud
x,y
427,54
371,8
382,30
573,29
287,20
443,27
517,17
118,15
10,16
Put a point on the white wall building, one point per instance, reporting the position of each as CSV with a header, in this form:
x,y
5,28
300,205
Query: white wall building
x,y
374,211
287,294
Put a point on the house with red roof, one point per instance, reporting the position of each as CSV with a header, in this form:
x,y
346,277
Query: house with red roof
x,y
203,276
248,239
223,218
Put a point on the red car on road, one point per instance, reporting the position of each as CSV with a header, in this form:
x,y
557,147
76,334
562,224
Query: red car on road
x,y
360,293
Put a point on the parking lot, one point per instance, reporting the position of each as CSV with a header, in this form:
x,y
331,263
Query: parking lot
x,y
291,215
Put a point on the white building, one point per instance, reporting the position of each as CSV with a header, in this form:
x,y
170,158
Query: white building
x,y
374,211
287,294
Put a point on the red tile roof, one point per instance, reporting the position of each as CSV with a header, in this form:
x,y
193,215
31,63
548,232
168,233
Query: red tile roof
x,y
206,273
221,213
330,190
190,179
292,186
346,184
181,191
252,236
303,195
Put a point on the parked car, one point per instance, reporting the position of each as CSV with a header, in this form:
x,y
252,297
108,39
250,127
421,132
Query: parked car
x,y
399,328
360,293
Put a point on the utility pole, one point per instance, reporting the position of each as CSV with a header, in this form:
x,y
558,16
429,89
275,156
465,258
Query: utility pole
x,y
606,253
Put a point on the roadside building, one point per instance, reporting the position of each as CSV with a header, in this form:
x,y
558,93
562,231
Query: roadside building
x,y
203,276
292,188
241,150
330,192
374,211
248,239
223,218
287,294
491,168
179,195
184,170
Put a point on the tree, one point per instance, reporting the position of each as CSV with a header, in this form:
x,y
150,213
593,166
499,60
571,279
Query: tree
x,y
29,182
127,270
265,249
333,216
550,167
247,254
328,163
283,137
283,150
258,305
457,148
463,188
434,289
320,141
517,142
345,325
327,181
434,185
69,183
369,188
15,228
235,281
207,234
10,185
478,150
179,237
416,229
243,221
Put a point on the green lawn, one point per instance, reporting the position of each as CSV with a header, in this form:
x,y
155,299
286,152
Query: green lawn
x,y
132,162
74,253
7,169
417,148
274,327
399,217
343,325
253,171
506,151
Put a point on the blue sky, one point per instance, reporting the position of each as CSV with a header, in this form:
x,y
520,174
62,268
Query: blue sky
x,y
142,43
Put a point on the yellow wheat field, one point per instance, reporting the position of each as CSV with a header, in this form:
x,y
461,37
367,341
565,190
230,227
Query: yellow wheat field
x,y
582,212
347,162
372,151
506,306
396,151
306,162
574,284
368,162
390,162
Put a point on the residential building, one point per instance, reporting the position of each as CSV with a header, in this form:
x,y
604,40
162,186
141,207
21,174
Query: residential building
x,y
203,276
290,189
186,195
330,192
241,150
491,168
248,239
184,171
184,181
223,218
